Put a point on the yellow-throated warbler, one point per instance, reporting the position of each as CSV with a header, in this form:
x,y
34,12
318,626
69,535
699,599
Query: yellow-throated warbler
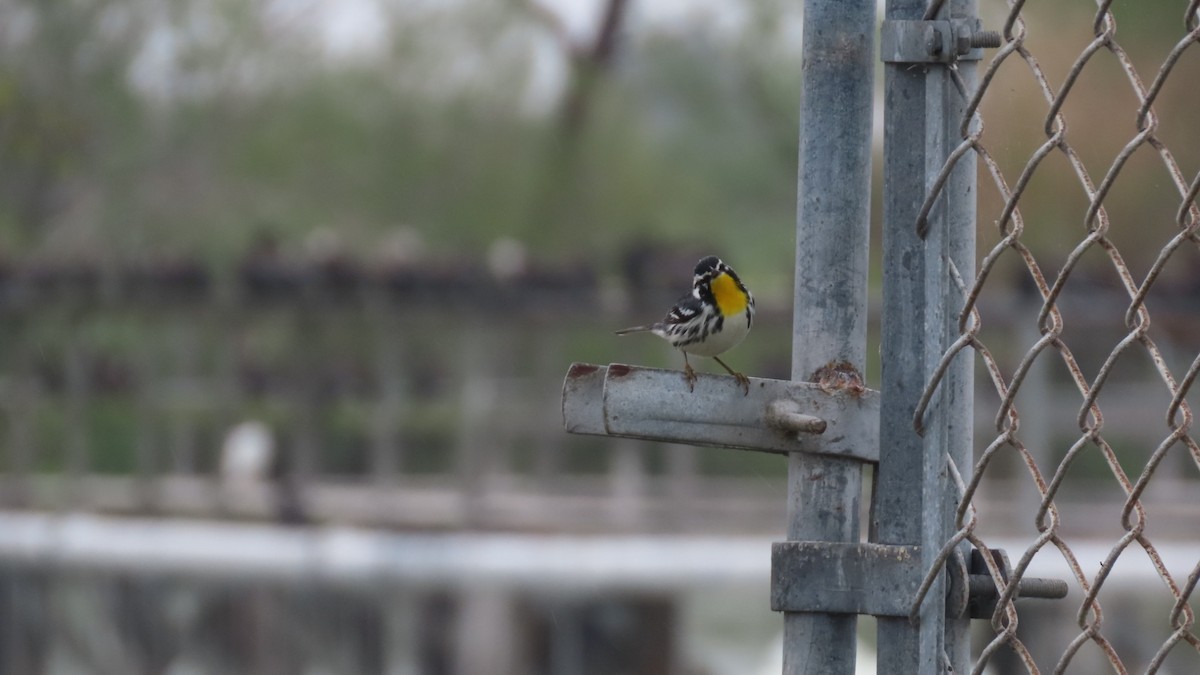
x,y
710,320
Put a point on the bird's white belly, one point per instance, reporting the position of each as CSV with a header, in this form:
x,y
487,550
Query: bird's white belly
x,y
734,331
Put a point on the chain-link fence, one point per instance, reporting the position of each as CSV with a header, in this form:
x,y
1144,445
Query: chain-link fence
x,y
1117,239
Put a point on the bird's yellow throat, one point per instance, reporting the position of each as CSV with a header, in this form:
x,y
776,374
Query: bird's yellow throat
x,y
730,299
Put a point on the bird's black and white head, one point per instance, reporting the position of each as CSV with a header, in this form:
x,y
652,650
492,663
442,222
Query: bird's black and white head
x,y
716,283
710,268
707,268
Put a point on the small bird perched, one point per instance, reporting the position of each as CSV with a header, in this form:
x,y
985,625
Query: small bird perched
x,y
709,321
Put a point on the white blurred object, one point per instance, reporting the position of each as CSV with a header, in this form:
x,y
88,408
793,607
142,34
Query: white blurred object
x,y
772,661
247,453
323,244
866,658
403,246
506,258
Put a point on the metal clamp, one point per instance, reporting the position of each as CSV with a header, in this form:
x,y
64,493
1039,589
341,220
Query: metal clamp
x,y
844,577
935,41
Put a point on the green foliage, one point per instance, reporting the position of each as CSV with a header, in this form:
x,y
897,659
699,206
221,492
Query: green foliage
x,y
133,128
439,132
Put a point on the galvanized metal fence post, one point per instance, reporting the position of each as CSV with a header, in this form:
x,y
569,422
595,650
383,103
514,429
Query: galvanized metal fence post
x,y
830,313
915,494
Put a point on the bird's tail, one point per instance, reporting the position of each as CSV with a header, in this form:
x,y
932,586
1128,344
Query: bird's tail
x,y
636,329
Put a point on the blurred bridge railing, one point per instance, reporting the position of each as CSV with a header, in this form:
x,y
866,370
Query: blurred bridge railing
x,y
406,397
417,396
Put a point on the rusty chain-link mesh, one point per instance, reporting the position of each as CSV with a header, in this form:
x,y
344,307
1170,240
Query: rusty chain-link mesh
x,y
1090,437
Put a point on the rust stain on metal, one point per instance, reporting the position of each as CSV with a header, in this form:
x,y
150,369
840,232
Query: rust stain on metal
x,y
619,370
579,370
838,376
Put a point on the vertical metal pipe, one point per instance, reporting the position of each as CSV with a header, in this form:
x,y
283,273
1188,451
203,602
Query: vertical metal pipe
x,y
830,313
914,497
956,421
899,477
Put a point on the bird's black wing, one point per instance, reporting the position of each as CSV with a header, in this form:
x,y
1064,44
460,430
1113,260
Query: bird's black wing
x,y
688,307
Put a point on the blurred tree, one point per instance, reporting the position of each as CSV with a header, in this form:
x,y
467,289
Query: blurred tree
x,y
130,127
137,127
64,103
589,65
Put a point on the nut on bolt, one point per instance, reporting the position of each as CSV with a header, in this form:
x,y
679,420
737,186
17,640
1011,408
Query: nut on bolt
x,y
933,40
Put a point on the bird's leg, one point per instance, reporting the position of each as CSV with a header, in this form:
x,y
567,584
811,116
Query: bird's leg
x,y
688,374
742,379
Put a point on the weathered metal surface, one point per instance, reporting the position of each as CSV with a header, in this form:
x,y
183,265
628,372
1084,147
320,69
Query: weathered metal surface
x,y
844,577
654,404
898,494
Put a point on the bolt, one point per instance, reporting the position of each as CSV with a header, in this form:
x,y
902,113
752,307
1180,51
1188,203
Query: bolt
x,y
966,39
982,587
986,39
786,415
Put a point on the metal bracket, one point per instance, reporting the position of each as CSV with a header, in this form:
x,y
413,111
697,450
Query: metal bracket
x,y
776,416
903,41
882,580
844,578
